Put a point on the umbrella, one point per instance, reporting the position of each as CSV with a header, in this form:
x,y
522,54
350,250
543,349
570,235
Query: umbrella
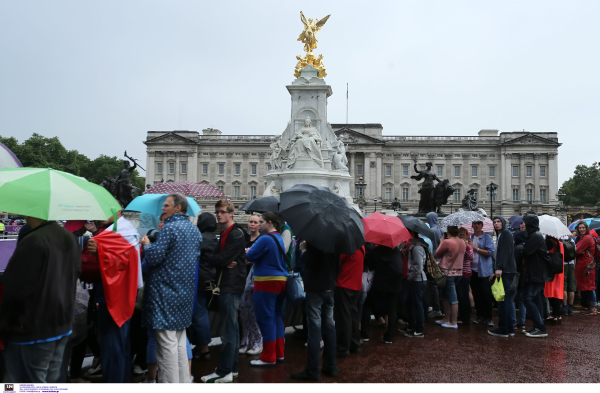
x,y
515,221
552,226
186,188
323,218
488,226
262,205
152,204
593,223
460,218
416,225
49,194
385,230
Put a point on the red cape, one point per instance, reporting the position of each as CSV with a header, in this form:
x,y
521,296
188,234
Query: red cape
x,y
119,269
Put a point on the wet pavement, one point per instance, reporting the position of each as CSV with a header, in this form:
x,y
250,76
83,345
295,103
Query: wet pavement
x,y
571,353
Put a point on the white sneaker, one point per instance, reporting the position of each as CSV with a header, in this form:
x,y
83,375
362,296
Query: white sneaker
x,y
191,380
254,351
448,326
260,363
321,344
243,349
216,378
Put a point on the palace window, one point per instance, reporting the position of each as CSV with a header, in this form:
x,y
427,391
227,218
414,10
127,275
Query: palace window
x,y
237,169
183,168
359,169
492,170
515,194
515,171
388,193
405,193
542,171
457,194
440,170
220,188
253,169
252,191
159,168
457,156
457,170
236,191
529,171
359,191
543,196
268,167
171,167
405,155
529,194
474,171
388,170
221,169
205,169
404,170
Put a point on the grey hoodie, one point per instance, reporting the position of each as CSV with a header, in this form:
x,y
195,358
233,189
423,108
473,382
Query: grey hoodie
x,y
432,220
416,260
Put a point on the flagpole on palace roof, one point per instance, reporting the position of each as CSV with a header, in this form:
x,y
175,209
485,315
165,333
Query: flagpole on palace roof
x,y
346,103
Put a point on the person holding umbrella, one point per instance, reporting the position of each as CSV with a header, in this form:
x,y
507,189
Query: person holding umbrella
x,y
483,248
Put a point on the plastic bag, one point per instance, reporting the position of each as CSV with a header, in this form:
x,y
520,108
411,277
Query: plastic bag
x,y
498,290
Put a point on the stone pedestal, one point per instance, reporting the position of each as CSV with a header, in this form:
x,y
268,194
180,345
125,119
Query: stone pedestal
x,y
309,101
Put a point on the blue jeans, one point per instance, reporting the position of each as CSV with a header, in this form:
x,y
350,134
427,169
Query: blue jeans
x,y
533,302
416,294
449,291
319,312
199,332
34,363
115,348
229,306
590,297
506,309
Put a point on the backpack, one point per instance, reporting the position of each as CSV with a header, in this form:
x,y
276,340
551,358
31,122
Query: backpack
x,y
569,248
556,263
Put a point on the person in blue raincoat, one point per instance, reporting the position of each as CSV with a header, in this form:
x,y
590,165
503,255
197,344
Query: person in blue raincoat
x,y
170,291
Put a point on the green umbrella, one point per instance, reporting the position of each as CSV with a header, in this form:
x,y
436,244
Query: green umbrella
x,y
48,194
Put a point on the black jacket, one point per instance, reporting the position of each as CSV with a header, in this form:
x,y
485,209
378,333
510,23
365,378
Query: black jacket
x,y
387,263
505,250
320,269
234,279
207,225
535,253
39,285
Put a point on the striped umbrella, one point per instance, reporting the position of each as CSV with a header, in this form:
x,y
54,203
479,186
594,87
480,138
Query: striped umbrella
x,y
186,188
488,226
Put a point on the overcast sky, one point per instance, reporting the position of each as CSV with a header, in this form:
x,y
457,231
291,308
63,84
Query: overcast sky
x,y
100,74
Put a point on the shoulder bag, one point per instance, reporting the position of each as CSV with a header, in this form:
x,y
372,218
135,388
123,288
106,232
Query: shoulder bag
x,y
294,291
434,270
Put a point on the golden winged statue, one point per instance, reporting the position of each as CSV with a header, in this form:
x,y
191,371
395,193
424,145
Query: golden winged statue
x,y
311,28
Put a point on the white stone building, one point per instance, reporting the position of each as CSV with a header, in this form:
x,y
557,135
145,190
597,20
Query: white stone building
x,y
523,164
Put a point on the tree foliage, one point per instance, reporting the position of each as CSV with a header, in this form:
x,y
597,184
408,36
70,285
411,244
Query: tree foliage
x,y
41,152
583,189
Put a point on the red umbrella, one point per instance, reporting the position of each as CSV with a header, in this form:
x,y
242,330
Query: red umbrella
x,y
385,230
186,188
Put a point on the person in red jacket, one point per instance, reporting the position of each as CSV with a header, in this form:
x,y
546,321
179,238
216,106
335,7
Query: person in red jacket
x,y
346,297
585,267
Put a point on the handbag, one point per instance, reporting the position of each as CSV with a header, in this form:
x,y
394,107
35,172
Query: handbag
x,y
436,272
294,290
214,290
367,280
498,290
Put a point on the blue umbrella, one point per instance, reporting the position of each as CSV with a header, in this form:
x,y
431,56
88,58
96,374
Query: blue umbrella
x,y
152,204
515,221
593,223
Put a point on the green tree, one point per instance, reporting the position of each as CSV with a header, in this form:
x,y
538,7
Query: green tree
x,y
583,189
41,152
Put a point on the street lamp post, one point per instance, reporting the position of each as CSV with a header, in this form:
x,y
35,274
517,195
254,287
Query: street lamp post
x,y
360,184
375,201
491,190
561,212
451,203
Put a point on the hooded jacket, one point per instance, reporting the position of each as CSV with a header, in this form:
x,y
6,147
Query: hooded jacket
x,y
207,225
387,263
505,249
234,279
535,252
432,220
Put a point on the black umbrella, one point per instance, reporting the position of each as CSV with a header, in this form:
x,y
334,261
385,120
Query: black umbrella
x,y
262,205
323,218
414,224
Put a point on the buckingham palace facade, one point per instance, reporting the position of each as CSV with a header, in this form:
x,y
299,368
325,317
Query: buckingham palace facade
x,y
523,164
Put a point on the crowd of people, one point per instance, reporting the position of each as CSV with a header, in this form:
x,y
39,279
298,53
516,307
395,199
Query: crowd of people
x,y
140,298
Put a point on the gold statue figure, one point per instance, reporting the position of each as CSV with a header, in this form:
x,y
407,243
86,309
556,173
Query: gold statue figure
x,y
308,35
